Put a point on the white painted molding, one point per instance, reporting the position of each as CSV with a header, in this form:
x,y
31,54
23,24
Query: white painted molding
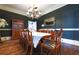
x,y
9,29
5,29
70,41
64,29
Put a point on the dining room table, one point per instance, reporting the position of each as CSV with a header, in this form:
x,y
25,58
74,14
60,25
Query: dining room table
x,y
37,37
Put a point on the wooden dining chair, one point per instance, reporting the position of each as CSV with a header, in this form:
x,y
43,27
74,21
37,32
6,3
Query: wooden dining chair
x,y
53,44
26,42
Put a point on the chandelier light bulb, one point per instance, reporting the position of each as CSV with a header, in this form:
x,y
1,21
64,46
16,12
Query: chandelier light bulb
x,y
30,10
39,13
37,16
27,13
32,15
36,10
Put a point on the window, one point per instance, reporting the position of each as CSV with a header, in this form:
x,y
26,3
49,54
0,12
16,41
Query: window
x,y
32,25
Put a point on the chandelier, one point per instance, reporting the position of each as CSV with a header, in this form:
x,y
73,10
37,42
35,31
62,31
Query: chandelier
x,y
33,12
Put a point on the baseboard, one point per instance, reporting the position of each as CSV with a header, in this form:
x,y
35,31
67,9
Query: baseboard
x,y
69,41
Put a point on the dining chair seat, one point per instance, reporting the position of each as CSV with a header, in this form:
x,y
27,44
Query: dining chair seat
x,y
49,44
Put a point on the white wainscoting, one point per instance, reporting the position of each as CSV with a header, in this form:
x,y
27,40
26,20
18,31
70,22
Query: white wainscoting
x,y
64,40
9,29
70,41
64,29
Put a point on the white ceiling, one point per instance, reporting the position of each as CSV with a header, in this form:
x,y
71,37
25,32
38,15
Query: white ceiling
x,y
22,8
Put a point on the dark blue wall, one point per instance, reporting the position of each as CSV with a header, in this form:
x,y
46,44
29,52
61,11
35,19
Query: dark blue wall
x,y
66,17
8,16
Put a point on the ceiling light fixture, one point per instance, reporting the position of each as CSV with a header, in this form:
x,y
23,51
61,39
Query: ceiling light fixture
x,y
33,12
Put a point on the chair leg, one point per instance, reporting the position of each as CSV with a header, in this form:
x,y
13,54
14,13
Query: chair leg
x,y
60,50
31,50
26,50
41,50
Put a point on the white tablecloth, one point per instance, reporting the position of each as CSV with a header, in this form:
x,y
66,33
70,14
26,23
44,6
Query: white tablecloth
x,y
37,36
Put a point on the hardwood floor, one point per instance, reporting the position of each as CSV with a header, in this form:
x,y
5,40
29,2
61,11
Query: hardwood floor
x,y
14,48
68,49
11,47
